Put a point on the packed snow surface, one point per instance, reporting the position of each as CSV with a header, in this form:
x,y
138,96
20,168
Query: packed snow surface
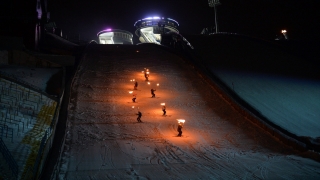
x,y
289,102
105,141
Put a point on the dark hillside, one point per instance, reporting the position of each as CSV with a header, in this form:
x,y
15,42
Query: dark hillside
x,y
242,53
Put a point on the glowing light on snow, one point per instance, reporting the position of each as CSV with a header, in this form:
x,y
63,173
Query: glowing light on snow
x,y
181,121
162,104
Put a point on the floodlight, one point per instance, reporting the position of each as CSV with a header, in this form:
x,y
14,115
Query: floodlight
x,y
213,3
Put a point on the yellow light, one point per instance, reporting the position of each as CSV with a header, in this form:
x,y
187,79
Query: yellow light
x,y
132,106
162,104
149,83
158,84
133,79
147,72
181,120
283,31
130,92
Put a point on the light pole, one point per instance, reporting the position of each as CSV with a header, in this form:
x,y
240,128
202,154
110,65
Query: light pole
x,y
214,3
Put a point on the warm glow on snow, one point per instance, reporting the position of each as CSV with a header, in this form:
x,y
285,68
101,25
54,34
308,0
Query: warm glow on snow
x,y
105,139
181,120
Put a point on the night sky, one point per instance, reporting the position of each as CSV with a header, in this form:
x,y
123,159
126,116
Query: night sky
x,y
259,18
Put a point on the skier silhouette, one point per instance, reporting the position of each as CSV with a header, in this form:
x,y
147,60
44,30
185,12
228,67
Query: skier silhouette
x,y
164,110
139,116
146,76
135,85
152,93
179,129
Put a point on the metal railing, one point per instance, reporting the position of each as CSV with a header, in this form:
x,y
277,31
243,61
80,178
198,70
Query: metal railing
x,y
5,130
9,159
12,78
47,139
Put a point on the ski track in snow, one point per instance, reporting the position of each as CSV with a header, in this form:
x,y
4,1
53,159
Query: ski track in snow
x,y
104,140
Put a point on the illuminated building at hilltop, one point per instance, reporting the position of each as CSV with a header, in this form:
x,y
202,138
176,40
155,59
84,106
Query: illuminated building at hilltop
x,y
115,36
149,30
